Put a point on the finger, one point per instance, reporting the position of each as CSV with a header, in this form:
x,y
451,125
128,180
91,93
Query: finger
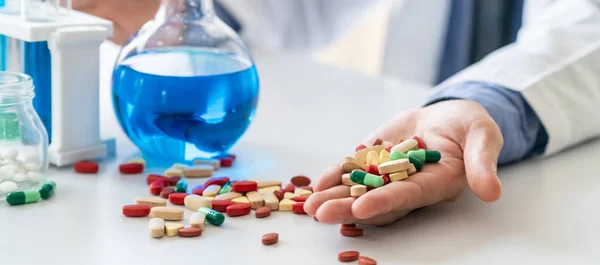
x,y
319,198
336,211
435,183
482,148
330,178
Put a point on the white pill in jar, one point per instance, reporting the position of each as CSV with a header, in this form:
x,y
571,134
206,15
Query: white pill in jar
x,y
19,177
29,166
34,176
9,162
7,172
10,154
8,187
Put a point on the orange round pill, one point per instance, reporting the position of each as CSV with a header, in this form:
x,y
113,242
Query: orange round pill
x,y
262,212
189,232
362,260
270,239
351,231
300,181
348,256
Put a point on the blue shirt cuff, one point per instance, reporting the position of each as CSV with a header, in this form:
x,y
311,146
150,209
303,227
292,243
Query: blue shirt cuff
x,y
524,135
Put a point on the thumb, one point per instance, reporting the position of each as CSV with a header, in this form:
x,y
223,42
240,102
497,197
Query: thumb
x,y
482,148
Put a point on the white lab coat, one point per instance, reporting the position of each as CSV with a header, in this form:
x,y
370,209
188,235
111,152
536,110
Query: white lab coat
x,y
555,62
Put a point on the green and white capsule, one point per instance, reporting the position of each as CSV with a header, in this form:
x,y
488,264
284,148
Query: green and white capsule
x,y
23,197
398,155
416,162
214,217
364,178
427,156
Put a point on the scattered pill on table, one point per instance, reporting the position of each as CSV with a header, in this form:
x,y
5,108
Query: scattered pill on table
x,y
299,198
172,229
348,256
198,189
177,198
351,231
286,205
226,161
212,216
190,232
256,199
362,260
220,181
173,180
262,212
238,209
289,188
270,183
221,205
242,199
300,181
270,239
170,172
136,210
164,193
298,208
198,171
8,187
23,197
193,202
348,225
244,186
215,163
279,194
288,195
86,167
228,196
271,201
197,219
166,213
131,168
211,190
137,160
156,187
47,189
151,201
153,177
156,227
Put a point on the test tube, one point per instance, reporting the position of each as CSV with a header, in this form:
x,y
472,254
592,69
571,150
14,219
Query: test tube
x,y
40,10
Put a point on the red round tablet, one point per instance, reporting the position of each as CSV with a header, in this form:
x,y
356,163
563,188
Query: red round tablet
x,y
221,205
348,256
156,187
244,186
216,181
372,169
270,239
289,188
238,209
164,193
153,177
299,198
351,231
174,179
87,167
177,198
262,212
189,232
362,260
300,181
298,208
136,210
420,143
131,168
360,147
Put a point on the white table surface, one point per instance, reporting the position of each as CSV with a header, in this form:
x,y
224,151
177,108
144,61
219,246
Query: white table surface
x,y
309,117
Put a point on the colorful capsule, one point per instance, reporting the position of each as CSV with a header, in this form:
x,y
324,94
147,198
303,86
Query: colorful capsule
x,y
361,177
226,188
416,162
212,216
182,183
47,190
429,156
23,197
398,155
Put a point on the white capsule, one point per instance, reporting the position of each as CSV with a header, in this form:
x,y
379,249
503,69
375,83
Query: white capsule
x,y
8,186
33,167
10,154
34,176
19,177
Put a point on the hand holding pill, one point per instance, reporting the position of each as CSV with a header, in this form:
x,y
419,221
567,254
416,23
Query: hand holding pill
x,y
469,142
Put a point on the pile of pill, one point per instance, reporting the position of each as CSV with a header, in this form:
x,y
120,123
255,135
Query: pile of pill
x,y
378,165
351,255
208,201
18,177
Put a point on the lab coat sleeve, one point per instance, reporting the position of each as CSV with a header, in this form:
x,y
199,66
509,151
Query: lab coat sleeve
x,y
555,64
296,25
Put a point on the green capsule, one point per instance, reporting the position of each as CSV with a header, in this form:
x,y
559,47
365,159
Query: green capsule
x,y
418,154
212,216
226,188
180,190
47,190
398,155
182,183
416,162
373,180
432,156
358,176
23,197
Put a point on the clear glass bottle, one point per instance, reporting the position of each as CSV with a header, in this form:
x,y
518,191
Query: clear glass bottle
x,y
185,85
23,139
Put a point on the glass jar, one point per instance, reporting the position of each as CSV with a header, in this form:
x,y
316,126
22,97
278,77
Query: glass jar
x,y
23,139
185,85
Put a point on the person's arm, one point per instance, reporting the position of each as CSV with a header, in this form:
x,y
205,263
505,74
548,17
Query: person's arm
x,y
294,25
555,64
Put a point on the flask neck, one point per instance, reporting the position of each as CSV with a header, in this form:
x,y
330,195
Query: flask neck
x,y
185,9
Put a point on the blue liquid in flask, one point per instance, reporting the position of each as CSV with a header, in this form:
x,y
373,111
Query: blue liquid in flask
x,y
178,105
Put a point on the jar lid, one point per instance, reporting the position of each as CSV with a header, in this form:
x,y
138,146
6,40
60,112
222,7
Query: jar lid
x,y
15,84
